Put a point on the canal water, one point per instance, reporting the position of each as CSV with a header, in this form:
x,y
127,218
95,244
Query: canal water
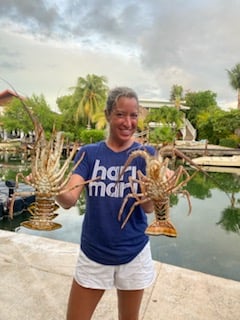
x,y
208,239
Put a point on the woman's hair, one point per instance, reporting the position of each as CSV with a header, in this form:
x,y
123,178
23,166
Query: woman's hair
x,y
115,94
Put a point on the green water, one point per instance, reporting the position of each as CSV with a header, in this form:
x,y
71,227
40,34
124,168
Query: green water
x,y
208,239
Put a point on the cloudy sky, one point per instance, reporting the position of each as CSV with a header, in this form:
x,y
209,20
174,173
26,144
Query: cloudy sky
x,y
45,45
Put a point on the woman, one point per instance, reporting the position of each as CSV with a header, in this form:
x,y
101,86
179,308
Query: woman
x,y
110,256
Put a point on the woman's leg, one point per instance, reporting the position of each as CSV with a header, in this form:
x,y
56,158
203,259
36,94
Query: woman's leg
x,y
82,302
129,302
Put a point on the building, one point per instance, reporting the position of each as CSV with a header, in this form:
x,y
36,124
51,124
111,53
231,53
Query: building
x,y
5,98
187,132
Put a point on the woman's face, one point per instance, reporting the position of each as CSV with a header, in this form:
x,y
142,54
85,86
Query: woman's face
x,y
123,119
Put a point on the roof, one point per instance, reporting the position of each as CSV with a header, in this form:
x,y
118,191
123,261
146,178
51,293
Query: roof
x,y
6,93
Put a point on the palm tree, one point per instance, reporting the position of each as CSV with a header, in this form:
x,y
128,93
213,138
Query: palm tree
x,y
168,120
100,120
89,96
234,77
176,95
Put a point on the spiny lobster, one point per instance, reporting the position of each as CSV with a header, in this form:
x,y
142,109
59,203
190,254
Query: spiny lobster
x,y
48,177
156,186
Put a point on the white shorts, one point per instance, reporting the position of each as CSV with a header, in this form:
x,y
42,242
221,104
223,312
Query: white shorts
x,y
135,275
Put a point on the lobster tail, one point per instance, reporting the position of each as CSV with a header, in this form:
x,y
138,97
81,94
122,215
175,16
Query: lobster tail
x,y
161,227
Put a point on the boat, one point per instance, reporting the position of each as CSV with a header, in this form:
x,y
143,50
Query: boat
x,y
218,161
7,188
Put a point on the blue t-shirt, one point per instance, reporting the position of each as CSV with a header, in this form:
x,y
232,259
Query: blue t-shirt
x,y
102,238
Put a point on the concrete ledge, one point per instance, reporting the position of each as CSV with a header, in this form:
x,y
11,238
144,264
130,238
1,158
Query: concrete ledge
x,y
36,275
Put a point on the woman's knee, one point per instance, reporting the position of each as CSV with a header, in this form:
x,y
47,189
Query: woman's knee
x,y
82,302
129,303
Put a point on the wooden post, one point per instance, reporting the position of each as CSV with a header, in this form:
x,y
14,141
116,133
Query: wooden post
x,y
206,145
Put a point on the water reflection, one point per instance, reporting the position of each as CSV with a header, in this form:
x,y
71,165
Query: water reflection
x,y
208,239
230,220
229,183
11,164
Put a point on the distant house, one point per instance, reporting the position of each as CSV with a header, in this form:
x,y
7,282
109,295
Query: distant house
x,y
5,98
187,132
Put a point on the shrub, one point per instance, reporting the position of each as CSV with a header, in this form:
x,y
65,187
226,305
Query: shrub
x,y
91,136
230,142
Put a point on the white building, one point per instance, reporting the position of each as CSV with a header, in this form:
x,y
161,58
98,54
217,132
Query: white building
x,y
188,132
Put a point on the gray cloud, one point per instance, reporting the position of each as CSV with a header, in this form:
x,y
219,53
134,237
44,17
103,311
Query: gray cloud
x,y
188,42
35,16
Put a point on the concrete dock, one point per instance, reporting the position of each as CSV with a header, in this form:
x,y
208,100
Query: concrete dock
x,y
36,275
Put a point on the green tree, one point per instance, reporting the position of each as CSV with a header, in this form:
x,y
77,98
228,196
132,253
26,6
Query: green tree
x,y
199,102
167,116
176,95
64,103
15,116
163,134
226,123
219,126
69,125
91,136
234,77
89,97
168,121
43,112
100,120
205,124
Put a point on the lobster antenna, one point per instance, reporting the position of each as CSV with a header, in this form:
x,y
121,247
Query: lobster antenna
x,y
198,167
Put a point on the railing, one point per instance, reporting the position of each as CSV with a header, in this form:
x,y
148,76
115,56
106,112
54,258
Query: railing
x,y
191,129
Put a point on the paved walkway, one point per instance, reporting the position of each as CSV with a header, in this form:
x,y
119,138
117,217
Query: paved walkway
x,y
36,275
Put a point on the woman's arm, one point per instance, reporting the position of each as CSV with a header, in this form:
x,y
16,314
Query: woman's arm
x,y
69,198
